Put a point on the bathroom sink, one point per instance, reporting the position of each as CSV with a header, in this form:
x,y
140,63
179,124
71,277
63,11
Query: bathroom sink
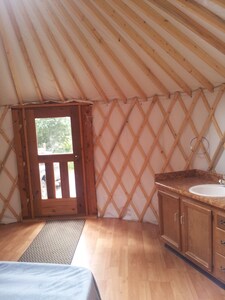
x,y
208,190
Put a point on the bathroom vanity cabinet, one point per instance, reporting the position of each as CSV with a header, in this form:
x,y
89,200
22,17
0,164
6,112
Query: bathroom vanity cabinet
x,y
192,225
187,227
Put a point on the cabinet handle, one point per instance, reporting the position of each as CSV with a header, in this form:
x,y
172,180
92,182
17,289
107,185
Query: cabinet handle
x,y
222,222
182,219
175,217
222,242
222,269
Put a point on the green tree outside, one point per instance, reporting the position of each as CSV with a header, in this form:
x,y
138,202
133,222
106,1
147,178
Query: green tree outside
x,y
54,134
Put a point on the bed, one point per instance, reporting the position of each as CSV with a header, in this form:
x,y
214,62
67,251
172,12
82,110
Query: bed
x,y
25,281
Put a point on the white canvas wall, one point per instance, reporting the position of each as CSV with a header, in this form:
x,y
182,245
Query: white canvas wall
x,y
132,142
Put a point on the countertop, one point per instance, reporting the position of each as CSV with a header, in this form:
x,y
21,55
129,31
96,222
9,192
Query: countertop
x,y
180,182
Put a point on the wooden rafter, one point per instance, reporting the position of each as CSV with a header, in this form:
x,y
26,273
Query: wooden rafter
x,y
219,2
133,34
190,23
10,62
165,45
39,46
68,39
180,36
23,48
99,38
91,49
203,13
58,50
121,41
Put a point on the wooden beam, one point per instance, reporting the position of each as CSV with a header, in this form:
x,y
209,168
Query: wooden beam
x,y
79,34
57,47
165,45
133,34
121,41
67,38
39,46
166,25
219,2
190,23
23,48
205,14
107,48
10,61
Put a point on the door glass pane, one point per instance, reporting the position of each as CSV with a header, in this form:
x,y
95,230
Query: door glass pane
x,y
54,135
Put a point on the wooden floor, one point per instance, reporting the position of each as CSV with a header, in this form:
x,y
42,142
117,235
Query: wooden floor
x,y
127,259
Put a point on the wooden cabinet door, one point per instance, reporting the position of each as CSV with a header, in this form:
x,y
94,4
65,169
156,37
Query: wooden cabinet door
x,y
197,233
169,211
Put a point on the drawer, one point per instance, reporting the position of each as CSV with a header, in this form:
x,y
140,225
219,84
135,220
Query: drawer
x,y
219,267
219,241
220,222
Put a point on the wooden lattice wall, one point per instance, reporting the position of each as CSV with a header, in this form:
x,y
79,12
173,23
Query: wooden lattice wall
x,y
133,141
10,208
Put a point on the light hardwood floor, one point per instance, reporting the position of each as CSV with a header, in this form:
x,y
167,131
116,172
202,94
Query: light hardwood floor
x,y
127,259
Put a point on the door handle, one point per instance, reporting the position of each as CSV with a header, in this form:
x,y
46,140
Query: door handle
x,y
175,217
76,157
182,219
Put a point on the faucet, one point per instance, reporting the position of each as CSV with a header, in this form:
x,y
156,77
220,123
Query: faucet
x,y
222,180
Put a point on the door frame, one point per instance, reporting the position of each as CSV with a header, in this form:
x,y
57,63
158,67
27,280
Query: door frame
x,y
21,116
53,206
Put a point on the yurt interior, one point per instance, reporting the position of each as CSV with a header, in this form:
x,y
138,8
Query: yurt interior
x,y
112,149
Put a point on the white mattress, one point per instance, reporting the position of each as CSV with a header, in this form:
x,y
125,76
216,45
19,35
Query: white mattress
x,y
33,281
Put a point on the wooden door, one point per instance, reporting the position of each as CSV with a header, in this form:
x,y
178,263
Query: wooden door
x,y
197,233
51,170
169,212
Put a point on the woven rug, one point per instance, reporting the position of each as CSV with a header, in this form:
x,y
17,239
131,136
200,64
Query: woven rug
x,y
55,243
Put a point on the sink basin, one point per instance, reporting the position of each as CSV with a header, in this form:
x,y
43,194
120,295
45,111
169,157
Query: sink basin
x,y
208,190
